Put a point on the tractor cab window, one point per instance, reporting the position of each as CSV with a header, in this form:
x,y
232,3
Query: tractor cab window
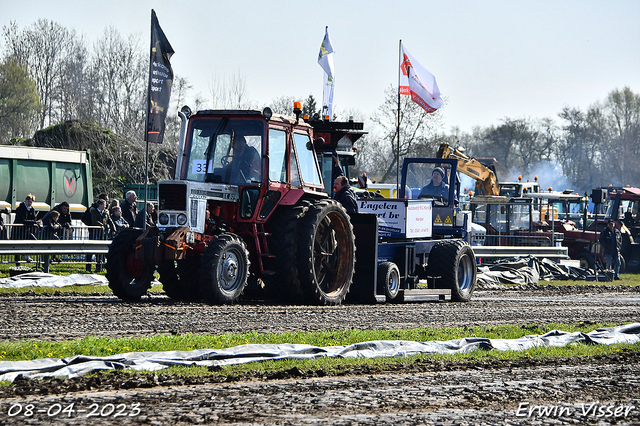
x,y
277,155
510,190
628,212
306,160
430,180
233,148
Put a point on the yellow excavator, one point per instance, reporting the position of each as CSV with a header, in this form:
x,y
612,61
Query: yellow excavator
x,y
486,181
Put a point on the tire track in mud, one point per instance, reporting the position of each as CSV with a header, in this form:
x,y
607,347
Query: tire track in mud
x,y
423,392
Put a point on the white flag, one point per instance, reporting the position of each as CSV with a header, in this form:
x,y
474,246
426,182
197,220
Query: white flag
x,y
325,58
419,83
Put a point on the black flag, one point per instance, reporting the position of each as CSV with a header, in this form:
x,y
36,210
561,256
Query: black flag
x,y
160,79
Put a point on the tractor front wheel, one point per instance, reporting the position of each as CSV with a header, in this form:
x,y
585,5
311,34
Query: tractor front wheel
x,y
225,269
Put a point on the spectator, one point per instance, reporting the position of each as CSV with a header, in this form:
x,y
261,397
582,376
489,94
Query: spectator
x,y
146,216
104,197
154,214
25,216
344,194
3,230
52,229
118,220
129,208
103,229
611,241
64,219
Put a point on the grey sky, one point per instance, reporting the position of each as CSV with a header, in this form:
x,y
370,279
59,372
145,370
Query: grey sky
x,y
491,59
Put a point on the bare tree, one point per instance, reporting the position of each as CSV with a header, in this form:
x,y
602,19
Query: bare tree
x,y
229,93
180,89
417,127
283,105
74,91
120,69
621,156
578,150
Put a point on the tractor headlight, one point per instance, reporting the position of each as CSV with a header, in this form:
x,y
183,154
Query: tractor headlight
x,y
182,219
163,219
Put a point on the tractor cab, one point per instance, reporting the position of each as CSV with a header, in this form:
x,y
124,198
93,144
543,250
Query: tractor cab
x,y
236,167
334,143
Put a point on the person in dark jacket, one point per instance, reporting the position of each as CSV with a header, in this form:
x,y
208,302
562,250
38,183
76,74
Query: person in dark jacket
x,y
437,188
27,217
344,194
51,229
129,208
611,241
146,216
64,218
118,220
3,230
104,229
245,165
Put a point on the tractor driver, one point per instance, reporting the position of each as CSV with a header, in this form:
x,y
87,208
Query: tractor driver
x,y
245,165
437,188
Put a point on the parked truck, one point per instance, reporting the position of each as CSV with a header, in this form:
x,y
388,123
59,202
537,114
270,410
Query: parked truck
x,y
52,175
249,204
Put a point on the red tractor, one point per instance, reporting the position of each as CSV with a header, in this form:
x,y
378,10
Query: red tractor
x,y
247,201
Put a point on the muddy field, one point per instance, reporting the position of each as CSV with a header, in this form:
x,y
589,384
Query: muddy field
x,y
597,390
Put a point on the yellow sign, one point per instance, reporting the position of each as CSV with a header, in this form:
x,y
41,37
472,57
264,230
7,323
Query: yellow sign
x,y
438,221
447,220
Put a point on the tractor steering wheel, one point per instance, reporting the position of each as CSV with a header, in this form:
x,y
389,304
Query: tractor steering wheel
x,y
226,160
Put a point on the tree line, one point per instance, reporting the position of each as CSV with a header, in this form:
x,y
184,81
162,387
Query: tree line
x,y
599,146
51,76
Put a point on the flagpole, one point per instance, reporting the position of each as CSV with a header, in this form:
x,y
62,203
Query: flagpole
x,y
398,126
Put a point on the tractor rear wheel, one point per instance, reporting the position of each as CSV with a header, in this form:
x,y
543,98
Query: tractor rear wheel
x,y
326,253
225,269
455,263
180,278
129,278
284,284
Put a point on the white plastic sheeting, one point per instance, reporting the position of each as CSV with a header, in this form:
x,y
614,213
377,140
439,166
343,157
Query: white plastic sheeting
x,y
40,279
80,365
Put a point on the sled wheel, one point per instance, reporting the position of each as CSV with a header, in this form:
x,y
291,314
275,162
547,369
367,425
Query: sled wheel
x,y
129,278
389,280
284,284
326,253
180,278
455,263
225,269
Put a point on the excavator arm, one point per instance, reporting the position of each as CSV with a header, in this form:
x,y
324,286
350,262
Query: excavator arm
x,y
486,181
